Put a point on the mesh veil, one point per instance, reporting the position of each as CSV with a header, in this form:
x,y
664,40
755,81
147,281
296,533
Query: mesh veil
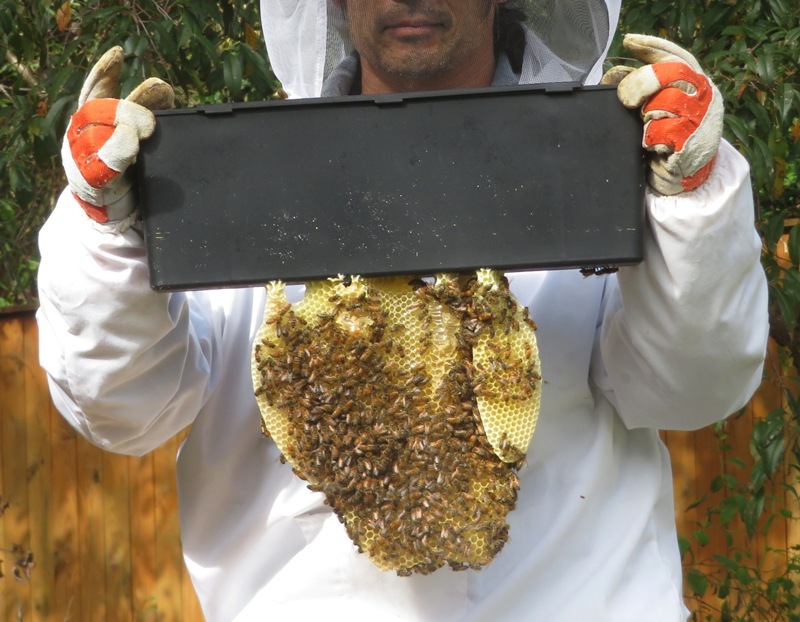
x,y
566,40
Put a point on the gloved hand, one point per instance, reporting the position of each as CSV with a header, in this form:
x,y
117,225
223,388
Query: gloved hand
x,y
681,108
103,136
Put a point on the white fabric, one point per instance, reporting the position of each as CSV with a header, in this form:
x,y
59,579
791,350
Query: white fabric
x,y
674,343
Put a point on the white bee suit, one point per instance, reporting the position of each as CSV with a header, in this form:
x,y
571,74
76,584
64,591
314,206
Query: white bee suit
x,y
674,343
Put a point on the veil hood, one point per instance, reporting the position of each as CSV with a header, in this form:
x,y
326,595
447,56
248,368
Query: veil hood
x,y
307,39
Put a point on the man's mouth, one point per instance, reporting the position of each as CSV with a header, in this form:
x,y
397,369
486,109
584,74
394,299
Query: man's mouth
x,y
417,25
413,27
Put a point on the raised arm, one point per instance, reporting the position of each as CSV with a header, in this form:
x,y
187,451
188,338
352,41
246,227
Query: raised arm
x,y
683,337
127,367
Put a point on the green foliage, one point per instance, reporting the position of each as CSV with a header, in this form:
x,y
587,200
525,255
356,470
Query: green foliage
x,y
209,51
749,499
751,49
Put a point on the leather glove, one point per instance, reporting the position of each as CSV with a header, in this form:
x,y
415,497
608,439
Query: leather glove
x,y
103,136
681,108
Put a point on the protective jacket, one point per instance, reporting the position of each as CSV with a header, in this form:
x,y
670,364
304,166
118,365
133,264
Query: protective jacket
x,y
676,342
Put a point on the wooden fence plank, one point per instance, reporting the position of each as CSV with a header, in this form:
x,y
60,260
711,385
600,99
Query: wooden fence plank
x,y
4,502
191,605
770,398
37,422
682,454
739,429
168,543
5,371
65,522
143,538
17,601
708,466
92,535
117,517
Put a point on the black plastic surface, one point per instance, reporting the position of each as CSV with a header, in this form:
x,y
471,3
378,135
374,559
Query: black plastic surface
x,y
518,178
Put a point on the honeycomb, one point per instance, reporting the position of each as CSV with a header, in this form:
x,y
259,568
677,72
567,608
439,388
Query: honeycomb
x,y
409,403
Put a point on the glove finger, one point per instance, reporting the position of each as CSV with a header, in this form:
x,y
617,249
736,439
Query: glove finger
x,y
103,79
672,102
641,84
108,201
94,173
111,112
668,134
657,50
138,118
668,177
85,149
662,179
153,94
98,167
121,148
616,74
104,136
92,113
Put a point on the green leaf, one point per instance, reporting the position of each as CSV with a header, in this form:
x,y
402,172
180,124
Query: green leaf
x,y
788,303
786,101
724,589
736,461
232,70
54,114
697,581
751,513
778,9
772,229
696,502
763,120
738,128
715,15
730,480
765,66
727,563
794,246
731,506
702,537
684,546
185,36
165,38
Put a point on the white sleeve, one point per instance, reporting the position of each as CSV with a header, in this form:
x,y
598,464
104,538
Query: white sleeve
x,y
127,367
683,337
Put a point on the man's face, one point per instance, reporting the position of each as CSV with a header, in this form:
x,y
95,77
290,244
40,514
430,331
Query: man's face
x,y
423,43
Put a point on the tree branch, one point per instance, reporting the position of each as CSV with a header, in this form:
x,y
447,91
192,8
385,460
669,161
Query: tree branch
x,y
24,71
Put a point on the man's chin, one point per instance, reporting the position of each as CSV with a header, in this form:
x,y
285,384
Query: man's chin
x,y
419,64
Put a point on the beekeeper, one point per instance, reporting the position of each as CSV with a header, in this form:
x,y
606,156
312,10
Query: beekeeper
x,y
676,342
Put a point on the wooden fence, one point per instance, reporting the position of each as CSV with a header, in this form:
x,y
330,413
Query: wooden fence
x,y
697,460
103,529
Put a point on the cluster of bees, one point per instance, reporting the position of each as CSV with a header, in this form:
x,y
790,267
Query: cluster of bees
x,y
409,404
